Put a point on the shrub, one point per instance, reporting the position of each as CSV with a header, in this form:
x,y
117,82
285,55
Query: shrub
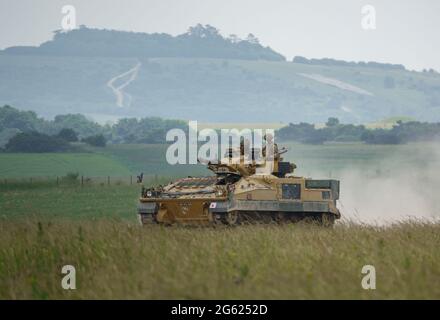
x,y
73,176
68,135
381,136
96,140
35,142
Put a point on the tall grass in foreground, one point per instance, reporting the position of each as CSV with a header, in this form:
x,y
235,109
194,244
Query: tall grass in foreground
x,y
119,259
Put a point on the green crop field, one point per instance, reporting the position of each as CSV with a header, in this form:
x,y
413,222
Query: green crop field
x,y
129,159
150,159
13,165
69,202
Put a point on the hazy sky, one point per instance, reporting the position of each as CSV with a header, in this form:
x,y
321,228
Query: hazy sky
x,y
407,31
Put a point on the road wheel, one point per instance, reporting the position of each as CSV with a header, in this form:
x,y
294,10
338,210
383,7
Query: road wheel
x,y
146,218
280,217
327,220
216,219
232,218
308,220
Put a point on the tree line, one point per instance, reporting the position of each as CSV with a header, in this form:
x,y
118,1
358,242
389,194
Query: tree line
x,y
334,131
34,141
24,131
199,41
343,63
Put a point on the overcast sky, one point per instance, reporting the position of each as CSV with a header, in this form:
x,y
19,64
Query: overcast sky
x,y
407,31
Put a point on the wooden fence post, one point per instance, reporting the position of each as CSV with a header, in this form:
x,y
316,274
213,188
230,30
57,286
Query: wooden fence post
x,y
131,180
82,181
108,180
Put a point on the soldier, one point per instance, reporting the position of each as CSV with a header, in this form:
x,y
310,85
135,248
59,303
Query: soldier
x,y
270,155
245,147
273,147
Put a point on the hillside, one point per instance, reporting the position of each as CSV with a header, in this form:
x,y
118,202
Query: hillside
x,y
202,75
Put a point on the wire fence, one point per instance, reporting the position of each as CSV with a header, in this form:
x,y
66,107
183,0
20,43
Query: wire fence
x,y
81,181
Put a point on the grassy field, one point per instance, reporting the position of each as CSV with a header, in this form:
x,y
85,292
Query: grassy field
x,y
95,229
116,259
69,202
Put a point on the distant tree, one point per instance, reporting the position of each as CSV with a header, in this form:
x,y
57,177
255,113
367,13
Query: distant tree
x,y
332,122
35,142
78,122
317,137
381,136
11,118
145,130
68,135
252,39
201,31
96,140
6,135
234,38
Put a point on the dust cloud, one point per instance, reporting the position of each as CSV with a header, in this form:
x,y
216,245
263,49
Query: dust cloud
x,y
402,187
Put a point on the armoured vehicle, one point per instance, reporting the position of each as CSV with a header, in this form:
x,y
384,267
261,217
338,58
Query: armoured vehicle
x,y
242,192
